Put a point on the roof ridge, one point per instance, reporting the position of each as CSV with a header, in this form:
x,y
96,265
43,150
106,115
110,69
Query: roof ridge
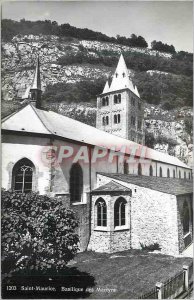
x,y
35,110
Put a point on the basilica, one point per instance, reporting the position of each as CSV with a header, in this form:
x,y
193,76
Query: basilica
x,y
129,196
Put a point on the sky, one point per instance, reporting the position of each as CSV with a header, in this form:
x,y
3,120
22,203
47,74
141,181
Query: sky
x,y
168,21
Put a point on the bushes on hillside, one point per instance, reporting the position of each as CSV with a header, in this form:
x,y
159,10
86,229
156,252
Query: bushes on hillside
x,y
139,62
11,28
83,91
163,47
169,90
151,140
38,233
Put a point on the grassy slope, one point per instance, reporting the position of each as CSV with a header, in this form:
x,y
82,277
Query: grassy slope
x,y
131,274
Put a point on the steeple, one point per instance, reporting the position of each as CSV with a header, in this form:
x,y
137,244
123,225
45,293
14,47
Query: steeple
x,y
35,89
121,78
120,110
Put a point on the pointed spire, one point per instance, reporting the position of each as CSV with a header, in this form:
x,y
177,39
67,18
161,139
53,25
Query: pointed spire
x,y
36,84
106,88
35,90
121,78
136,91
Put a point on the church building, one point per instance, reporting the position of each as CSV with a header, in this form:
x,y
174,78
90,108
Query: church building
x,y
124,194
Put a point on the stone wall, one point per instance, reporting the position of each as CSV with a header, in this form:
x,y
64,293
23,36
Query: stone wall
x,y
153,217
82,212
110,238
180,201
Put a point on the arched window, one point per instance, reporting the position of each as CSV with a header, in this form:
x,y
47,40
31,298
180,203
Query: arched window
x,y
115,99
106,101
76,183
185,177
160,172
139,169
101,210
117,119
107,120
22,176
103,102
151,171
126,167
185,218
174,174
119,98
168,172
120,212
179,174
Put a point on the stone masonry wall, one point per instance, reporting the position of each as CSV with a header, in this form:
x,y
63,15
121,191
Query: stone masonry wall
x,y
180,201
153,218
109,239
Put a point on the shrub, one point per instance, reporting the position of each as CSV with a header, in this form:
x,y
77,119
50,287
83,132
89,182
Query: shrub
x,y
150,247
38,233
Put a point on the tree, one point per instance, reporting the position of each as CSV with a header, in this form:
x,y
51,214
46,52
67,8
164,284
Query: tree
x,y
38,233
162,47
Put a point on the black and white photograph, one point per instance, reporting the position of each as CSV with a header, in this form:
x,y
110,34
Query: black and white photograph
x,y
97,149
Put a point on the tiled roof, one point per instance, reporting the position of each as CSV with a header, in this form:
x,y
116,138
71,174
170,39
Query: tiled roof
x,y
165,185
111,187
30,119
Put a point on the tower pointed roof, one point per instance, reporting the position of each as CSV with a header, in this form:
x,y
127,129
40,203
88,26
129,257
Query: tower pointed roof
x,y
121,78
106,87
36,84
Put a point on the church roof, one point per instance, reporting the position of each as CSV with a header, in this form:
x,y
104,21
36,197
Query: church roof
x,y
111,187
121,78
171,186
36,84
32,120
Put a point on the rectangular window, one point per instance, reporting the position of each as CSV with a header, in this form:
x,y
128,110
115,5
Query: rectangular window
x,y
139,124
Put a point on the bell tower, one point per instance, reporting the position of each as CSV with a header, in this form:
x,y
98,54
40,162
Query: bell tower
x,y
120,110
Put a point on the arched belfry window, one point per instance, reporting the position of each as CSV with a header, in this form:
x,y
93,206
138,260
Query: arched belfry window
x,y
76,183
22,176
115,99
185,177
101,210
168,172
120,212
160,172
151,171
185,218
179,174
174,174
139,169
